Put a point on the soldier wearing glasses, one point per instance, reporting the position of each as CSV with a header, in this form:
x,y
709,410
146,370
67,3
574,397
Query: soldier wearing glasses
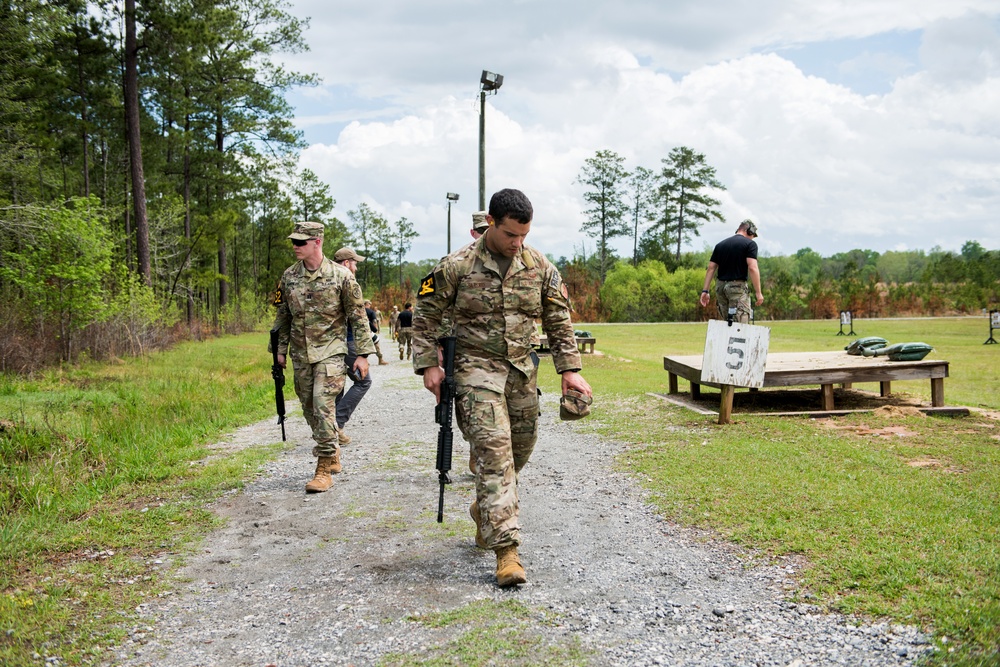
x,y
316,298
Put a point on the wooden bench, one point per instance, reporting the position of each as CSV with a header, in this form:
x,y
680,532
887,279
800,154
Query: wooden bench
x,y
786,369
581,342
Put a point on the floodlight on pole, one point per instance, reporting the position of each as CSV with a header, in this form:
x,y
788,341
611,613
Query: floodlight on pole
x,y
452,196
488,82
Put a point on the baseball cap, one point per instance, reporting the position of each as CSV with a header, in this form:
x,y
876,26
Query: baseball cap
x,y
751,227
479,222
347,252
574,405
305,231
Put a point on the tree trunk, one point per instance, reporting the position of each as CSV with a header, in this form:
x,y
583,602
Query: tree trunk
x,y
135,143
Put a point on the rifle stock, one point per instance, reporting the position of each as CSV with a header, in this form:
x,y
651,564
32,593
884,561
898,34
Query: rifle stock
x,y
442,416
278,373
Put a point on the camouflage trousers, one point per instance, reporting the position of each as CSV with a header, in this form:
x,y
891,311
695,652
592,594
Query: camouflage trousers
x,y
734,293
317,386
501,430
405,341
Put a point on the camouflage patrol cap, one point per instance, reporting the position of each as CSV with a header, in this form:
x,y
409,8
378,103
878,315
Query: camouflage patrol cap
x,y
305,231
479,222
347,252
574,405
751,227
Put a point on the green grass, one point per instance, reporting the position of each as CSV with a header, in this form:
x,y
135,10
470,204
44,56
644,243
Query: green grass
x,y
97,479
492,633
906,527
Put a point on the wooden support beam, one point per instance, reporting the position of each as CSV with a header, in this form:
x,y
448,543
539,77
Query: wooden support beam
x,y
726,404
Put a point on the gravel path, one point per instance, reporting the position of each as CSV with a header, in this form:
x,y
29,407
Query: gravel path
x,y
338,578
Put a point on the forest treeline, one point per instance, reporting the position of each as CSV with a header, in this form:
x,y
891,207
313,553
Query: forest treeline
x,y
149,177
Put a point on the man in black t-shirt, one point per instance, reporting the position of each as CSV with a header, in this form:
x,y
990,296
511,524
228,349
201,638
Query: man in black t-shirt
x,y
735,260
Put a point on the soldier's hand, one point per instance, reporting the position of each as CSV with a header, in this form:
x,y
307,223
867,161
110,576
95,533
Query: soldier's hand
x,y
281,360
704,299
760,299
361,366
433,377
573,380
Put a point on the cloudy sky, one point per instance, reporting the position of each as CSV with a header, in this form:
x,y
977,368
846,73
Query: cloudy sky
x,y
845,124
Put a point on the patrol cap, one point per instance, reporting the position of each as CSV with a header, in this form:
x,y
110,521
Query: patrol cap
x,y
347,252
574,405
305,231
750,227
479,222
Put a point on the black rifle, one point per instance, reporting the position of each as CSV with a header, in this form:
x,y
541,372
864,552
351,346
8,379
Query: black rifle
x,y
442,416
278,373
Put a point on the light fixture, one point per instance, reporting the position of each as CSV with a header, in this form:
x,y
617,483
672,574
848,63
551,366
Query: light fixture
x,y
491,80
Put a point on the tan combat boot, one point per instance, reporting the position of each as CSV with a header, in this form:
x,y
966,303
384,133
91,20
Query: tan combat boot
x,y
474,512
335,466
509,569
343,438
322,480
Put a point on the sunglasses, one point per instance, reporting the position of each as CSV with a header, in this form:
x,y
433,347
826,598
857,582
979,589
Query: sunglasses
x,y
299,242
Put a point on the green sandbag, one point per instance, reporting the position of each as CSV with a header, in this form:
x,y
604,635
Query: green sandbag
x,y
901,352
866,343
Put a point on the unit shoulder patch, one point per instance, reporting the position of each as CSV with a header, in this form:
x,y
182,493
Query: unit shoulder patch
x,y
278,296
426,286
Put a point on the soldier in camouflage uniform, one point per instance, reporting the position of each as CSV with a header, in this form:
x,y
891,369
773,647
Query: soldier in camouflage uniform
x,y
492,290
735,259
315,300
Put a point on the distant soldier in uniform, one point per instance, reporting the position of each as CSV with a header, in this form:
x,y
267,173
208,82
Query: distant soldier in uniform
x,y
734,259
479,224
374,322
492,290
404,327
316,299
393,318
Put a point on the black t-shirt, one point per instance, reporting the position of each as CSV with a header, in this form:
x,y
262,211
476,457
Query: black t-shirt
x,y
731,255
372,320
405,319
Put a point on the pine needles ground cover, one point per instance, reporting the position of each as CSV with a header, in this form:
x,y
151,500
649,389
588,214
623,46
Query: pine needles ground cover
x,y
99,476
896,517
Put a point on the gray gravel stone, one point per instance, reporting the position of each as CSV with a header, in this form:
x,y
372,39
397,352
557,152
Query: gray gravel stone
x,y
336,578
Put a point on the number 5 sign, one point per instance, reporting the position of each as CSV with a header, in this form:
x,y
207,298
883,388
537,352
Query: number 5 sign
x,y
735,355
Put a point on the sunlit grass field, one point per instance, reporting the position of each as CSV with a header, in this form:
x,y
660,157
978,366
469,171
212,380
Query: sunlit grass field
x,y
899,526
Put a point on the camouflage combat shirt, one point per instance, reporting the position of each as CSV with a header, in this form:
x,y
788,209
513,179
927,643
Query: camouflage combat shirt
x,y
313,310
493,317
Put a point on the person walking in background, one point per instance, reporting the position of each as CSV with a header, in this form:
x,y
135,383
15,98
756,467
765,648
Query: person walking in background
x,y
347,400
393,318
492,290
733,261
316,300
374,325
404,327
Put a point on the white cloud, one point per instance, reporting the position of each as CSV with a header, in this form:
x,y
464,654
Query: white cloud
x,y
815,163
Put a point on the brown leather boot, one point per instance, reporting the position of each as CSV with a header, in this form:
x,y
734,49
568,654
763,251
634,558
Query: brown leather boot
x,y
474,512
322,480
335,466
509,569
343,438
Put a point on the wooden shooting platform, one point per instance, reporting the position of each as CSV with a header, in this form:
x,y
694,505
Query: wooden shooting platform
x,y
789,369
581,342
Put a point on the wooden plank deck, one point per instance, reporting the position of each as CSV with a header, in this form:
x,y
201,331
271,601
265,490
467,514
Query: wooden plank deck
x,y
788,369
